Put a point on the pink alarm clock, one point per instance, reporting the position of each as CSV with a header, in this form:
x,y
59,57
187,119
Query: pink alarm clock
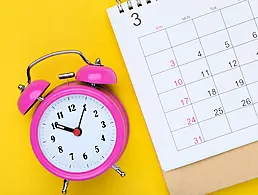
x,y
80,129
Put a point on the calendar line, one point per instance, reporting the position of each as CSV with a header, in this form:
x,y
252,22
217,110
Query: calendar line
x,y
217,137
197,18
230,48
211,118
240,65
158,95
253,14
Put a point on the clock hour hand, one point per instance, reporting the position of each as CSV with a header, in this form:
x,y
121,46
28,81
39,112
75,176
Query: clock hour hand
x,y
62,127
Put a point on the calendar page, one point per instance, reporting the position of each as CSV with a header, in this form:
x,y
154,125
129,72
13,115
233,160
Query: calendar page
x,y
194,68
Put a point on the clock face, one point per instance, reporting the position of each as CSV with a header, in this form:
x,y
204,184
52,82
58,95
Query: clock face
x,y
77,133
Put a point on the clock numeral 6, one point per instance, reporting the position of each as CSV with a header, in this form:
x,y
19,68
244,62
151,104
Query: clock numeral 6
x,y
71,108
85,156
96,149
103,124
60,149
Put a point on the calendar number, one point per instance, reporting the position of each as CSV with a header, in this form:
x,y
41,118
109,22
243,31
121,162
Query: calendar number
x,y
197,140
218,111
255,35
178,82
227,44
233,64
185,101
246,102
240,82
137,19
199,53
172,63
205,73
191,121
212,92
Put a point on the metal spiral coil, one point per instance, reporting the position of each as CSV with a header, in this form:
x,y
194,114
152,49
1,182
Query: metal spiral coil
x,y
129,3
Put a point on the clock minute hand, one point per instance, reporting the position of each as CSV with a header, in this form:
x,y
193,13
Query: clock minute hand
x,y
62,127
84,109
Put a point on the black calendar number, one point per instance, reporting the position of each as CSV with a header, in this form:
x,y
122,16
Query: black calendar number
x,y
138,21
255,35
199,53
240,82
218,111
233,64
205,73
246,102
212,92
227,44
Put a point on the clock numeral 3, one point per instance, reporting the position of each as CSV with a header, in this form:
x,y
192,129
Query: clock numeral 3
x,y
85,156
60,149
103,124
96,113
71,154
96,149
60,115
72,108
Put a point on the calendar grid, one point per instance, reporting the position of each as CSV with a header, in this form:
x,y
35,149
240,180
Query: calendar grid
x,y
157,93
255,40
218,95
252,14
200,17
239,62
175,68
184,86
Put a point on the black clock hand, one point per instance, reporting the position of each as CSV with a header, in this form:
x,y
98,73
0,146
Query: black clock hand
x,y
62,127
84,109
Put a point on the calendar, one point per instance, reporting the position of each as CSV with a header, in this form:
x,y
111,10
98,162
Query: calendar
x,y
194,67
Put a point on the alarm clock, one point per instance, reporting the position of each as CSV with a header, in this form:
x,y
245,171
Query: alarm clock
x,y
80,129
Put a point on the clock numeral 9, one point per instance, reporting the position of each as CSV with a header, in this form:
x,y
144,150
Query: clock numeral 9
x,y
85,156
60,115
103,124
96,149
71,154
96,113
60,149
72,108
53,139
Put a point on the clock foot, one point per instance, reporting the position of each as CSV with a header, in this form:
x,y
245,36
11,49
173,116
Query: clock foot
x,y
65,186
118,170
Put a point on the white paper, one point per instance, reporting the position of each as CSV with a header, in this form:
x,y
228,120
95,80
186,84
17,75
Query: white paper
x,y
193,65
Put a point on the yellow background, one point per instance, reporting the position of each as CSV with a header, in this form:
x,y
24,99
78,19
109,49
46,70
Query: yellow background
x,y
31,28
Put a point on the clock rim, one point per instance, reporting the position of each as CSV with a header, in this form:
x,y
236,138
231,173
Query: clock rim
x,y
116,110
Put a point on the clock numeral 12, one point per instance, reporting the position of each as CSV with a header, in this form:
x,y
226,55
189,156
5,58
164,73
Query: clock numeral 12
x,y
71,108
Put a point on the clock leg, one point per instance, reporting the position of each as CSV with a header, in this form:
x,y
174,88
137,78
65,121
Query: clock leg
x,y
65,186
118,170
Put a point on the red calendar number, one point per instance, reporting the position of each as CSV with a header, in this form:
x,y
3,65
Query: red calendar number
x,y
159,27
172,63
178,82
185,101
191,121
197,140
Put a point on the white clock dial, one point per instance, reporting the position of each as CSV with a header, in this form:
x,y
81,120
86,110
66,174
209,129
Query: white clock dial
x,y
77,133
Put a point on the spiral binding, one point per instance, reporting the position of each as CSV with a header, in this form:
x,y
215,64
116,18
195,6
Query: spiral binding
x,y
129,3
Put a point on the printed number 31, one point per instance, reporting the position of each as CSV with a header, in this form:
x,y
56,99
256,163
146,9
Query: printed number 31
x,y
138,21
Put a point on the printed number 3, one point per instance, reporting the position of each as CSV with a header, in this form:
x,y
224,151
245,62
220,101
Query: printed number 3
x,y
137,19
